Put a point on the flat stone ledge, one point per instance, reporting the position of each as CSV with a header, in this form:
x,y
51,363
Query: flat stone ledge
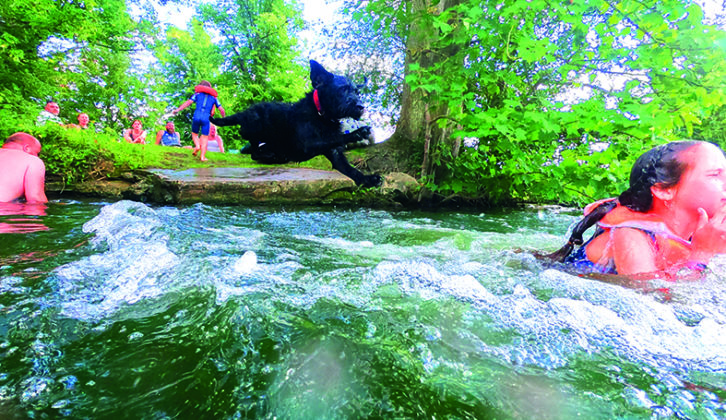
x,y
245,186
249,175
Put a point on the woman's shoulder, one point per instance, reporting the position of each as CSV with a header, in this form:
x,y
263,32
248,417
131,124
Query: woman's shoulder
x,y
622,217
633,234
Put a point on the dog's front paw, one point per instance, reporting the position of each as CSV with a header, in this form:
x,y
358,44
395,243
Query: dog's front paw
x,y
363,133
370,181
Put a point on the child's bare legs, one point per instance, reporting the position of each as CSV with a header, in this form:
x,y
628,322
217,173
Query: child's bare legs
x,y
195,139
203,143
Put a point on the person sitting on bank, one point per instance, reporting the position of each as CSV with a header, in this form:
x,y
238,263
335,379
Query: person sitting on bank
x,y
672,217
214,142
50,113
169,136
23,171
83,121
135,134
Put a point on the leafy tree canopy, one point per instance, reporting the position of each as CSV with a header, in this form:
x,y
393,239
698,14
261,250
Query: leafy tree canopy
x,y
503,99
51,50
537,85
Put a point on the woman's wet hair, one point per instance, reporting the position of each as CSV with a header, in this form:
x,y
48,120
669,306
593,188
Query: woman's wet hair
x,y
658,166
205,83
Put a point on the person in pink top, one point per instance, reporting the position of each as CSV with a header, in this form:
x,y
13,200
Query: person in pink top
x,y
23,173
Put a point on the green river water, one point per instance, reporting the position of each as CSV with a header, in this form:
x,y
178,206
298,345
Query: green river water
x,y
124,310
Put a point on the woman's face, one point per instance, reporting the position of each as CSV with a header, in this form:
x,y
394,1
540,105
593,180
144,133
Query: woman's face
x,y
703,183
83,119
136,125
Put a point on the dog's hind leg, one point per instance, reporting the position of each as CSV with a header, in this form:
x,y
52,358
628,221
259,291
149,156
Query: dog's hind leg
x,y
263,154
339,161
313,147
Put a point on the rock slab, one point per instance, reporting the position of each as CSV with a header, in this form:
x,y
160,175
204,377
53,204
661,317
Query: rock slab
x,y
264,185
247,185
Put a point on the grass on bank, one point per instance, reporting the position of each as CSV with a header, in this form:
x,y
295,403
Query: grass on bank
x,y
74,155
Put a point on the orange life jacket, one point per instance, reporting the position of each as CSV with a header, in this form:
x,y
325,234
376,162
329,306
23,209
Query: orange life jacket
x,y
205,89
670,248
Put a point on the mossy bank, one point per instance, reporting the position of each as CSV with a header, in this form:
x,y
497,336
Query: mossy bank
x,y
91,164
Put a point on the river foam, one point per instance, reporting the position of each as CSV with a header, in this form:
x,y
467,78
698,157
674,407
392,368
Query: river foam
x,y
540,317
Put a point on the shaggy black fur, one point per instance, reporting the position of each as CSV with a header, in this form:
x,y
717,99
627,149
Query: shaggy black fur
x,y
281,132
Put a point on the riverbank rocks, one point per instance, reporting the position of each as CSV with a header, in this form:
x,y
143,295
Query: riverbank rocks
x,y
400,182
266,185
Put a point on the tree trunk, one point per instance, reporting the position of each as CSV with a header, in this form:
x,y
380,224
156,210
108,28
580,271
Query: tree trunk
x,y
413,146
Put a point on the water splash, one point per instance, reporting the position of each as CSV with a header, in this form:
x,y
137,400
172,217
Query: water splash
x,y
273,299
133,264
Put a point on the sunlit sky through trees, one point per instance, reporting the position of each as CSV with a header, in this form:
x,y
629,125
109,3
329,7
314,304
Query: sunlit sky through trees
x,y
316,13
323,12
320,14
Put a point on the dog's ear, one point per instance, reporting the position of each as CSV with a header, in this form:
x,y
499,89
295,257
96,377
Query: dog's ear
x,y
318,75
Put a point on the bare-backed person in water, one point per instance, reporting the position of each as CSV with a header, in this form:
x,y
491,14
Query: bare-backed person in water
x,y
23,174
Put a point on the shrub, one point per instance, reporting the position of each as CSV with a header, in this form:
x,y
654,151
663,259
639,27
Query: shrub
x,y
77,155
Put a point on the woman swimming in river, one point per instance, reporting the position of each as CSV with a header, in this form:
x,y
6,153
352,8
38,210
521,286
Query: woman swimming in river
x,y
672,217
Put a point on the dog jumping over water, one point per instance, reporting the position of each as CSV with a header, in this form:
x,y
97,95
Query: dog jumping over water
x,y
282,132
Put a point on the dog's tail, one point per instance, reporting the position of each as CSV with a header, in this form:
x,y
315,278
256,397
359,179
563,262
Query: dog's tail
x,y
235,119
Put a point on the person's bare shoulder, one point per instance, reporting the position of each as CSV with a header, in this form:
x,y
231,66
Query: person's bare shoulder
x,y
35,162
20,156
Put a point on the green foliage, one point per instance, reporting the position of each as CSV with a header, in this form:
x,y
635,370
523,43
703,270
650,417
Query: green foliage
x,y
254,57
713,127
184,59
72,155
78,155
538,87
260,59
75,53
370,48
537,83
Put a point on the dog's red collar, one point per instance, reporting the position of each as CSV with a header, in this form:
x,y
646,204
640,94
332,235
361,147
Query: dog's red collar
x,y
316,99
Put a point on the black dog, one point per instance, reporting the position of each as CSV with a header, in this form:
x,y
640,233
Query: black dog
x,y
282,132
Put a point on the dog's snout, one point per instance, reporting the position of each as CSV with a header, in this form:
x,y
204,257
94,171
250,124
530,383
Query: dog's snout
x,y
360,107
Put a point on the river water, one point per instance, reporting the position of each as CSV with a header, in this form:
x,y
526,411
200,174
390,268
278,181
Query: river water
x,y
124,310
